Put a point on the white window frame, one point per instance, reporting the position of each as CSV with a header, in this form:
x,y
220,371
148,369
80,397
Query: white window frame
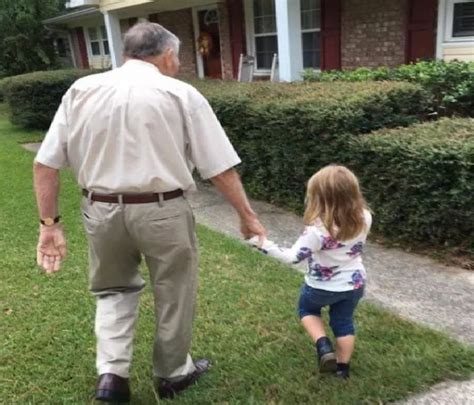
x,y
251,36
100,40
449,23
304,31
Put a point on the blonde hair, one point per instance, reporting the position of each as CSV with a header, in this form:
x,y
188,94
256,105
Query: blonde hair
x,y
333,196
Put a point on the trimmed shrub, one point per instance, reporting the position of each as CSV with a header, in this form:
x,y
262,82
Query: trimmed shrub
x,y
2,92
419,180
3,83
450,83
284,132
33,98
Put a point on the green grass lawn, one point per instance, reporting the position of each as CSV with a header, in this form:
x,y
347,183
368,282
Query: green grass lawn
x,y
246,322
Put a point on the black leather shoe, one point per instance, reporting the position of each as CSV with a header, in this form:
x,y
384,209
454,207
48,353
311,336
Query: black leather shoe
x,y
326,355
112,388
168,389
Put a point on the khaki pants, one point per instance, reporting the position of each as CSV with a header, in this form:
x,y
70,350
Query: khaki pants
x,y
118,236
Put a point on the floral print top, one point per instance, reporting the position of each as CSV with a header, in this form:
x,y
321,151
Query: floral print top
x,y
332,265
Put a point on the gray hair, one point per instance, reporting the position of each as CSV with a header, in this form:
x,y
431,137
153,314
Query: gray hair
x,y
149,39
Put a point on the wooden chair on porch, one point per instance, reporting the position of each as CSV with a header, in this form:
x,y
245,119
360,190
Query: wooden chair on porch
x,y
246,68
274,75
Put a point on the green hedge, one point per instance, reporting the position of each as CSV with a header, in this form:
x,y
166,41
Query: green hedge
x,y
284,132
3,83
337,107
450,83
419,180
33,98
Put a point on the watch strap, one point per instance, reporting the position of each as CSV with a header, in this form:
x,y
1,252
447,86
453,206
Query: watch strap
x,y
50,221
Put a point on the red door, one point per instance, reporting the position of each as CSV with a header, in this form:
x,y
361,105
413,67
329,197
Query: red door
x,y
237,41
421,30
330,34
82,48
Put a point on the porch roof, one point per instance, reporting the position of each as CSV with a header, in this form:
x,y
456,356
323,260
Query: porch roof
x,y
70,16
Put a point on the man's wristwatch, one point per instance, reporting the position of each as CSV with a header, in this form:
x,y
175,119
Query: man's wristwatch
x,y
50,221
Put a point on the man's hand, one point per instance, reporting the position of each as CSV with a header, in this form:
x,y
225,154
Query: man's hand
x,y
51,249
251,226
229,184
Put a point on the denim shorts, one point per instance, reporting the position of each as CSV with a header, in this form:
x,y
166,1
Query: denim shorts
x,y
341,307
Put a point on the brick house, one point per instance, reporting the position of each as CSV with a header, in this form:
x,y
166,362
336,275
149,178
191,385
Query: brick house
x,y
317,34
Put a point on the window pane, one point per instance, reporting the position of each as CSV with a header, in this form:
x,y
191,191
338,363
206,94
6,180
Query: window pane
x,y
265,48
106,48
463,25
95,48
310,19
103,31
311,50
265,17
92,33
264,25
310,14
307,5
263,8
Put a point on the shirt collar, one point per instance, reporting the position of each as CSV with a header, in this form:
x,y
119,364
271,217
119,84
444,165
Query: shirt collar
x,y
140,64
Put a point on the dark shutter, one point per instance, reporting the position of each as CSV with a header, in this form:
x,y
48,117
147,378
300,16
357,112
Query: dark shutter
x,y
330,34
421,30
236,26
82,48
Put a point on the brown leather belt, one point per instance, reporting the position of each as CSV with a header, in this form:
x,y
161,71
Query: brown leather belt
x,y
133,198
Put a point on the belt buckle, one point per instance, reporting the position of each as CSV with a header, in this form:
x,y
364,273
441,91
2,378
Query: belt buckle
x,y
89,197
161,199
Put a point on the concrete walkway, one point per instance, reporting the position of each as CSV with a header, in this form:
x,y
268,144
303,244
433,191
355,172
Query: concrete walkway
x,y
415,287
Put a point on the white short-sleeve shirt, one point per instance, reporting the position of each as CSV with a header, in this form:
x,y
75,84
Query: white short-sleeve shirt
x,y
135,130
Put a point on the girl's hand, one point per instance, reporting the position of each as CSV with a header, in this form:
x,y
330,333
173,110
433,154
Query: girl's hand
x,y
263,246
255,241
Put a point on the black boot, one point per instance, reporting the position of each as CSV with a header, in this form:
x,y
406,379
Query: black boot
x,y
342,370
326,355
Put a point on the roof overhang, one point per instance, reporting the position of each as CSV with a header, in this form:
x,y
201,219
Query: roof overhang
x,y
73,15
82,3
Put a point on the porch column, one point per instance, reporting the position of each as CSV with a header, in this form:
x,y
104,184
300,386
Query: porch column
x,y
114,36
441,29
290,48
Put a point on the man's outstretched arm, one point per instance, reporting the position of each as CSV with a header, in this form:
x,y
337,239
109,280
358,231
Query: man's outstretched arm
x,y
51,249
229,185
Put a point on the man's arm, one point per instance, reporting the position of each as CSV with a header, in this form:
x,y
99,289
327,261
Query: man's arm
x,y
51,249
229,185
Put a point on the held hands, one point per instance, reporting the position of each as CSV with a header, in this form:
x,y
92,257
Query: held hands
x,y
251,227
263,246
51,249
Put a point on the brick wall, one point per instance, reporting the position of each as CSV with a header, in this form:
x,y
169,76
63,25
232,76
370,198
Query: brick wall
x,y
373,33
180,23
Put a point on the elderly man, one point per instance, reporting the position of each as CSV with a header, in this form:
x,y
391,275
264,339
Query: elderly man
x,y
132,137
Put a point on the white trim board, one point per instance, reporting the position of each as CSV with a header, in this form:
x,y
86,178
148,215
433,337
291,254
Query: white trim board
x,y
444,38
448,32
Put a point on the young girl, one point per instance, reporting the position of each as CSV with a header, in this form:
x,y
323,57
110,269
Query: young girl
x,y
337,223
